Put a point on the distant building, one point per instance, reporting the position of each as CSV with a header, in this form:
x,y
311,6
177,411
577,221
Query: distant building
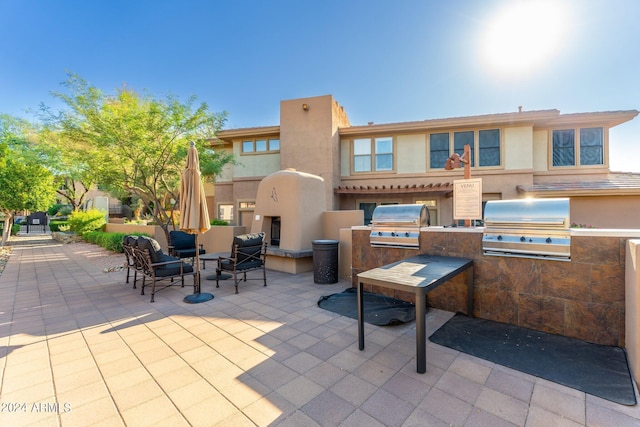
x,y
520,154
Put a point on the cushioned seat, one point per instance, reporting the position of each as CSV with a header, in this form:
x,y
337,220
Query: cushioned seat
x,y
159,266
248,252
183,245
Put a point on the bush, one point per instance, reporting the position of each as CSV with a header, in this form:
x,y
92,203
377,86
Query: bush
x,y
217,221
54,209
14,229
55,225
110,241
83,222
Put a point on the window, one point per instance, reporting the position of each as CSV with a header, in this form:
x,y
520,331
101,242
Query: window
x,y
373,154
225,212
438,150
489,147
246,205
460,139
483,144
587,151
261,145
369,207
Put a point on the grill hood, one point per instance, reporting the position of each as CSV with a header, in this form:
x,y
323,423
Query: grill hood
x,y
398,225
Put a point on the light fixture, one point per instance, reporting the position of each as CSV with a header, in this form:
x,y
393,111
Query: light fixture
x,y
305,107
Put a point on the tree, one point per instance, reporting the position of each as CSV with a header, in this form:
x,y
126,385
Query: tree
x,y
24,183
138,143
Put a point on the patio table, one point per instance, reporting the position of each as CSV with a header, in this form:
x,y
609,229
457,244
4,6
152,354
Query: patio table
x,y
419,274
214,256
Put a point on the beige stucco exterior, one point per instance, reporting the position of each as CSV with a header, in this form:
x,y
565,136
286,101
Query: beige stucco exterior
x,y
316,137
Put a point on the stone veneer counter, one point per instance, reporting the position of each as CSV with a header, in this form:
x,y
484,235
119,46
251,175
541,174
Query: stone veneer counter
x,y
583,298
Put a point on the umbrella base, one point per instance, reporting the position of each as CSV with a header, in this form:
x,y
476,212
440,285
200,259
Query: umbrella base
x,y
197,298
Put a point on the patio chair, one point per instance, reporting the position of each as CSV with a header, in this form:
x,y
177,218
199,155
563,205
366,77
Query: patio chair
x,y
158,266
183,245
248,253
128,243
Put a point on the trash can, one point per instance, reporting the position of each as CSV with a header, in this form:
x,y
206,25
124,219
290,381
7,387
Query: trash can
x,y
325,261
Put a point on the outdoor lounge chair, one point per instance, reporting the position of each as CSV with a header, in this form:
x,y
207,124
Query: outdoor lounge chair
x,y
128,243
183,245
158,266
248,253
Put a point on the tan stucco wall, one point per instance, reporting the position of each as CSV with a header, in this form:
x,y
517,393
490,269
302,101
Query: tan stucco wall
x,y
412,153
345,157
154,231
632,306
540,150
254,164
219,238
294,197
606,211
518,147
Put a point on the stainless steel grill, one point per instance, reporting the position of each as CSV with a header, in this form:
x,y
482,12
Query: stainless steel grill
x,y
398,225
537,228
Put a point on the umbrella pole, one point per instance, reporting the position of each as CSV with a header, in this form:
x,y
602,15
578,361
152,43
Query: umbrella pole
x,y
198,296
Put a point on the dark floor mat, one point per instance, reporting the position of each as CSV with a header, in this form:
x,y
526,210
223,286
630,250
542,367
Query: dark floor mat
x,y
595,369
378,309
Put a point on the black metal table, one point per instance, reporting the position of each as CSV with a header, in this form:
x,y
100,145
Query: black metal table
x,y
213,256
419,274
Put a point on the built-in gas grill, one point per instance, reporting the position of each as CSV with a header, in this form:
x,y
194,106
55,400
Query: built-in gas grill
x,y
537,228
398,225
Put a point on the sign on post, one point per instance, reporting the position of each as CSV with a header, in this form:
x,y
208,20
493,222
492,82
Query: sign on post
x,y
467,199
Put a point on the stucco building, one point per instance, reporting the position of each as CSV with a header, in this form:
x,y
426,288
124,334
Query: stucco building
x,y
525,153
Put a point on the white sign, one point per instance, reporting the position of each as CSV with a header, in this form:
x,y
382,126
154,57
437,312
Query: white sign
x,y
467,198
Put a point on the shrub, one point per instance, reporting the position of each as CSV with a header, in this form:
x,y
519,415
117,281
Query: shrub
x,y
15,228
54,209
216,221
56,225
83,222
110,241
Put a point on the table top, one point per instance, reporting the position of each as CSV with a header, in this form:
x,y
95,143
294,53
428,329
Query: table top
x,y
420,271
212,256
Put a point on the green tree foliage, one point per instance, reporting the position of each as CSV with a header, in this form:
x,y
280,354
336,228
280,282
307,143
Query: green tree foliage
x,y
25,185
138,144
83,222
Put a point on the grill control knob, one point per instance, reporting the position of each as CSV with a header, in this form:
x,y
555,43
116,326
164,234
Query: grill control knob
x,y
379,233
406,234
499,237
548,240
523,239
393,233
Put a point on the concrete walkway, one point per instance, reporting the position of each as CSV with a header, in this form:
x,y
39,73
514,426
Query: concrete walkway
x,y
82,348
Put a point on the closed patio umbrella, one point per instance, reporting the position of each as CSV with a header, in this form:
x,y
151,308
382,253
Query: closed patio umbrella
x,y
194,215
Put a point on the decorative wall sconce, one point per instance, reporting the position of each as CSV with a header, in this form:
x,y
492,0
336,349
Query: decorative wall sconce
x,y
305,107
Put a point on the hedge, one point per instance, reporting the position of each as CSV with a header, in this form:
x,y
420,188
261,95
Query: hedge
x,y
55,225
110,241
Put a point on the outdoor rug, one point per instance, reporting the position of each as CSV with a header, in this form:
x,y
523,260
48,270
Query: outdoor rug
x,y
595,369
379,310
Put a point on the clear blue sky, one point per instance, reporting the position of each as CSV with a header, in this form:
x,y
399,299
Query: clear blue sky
x,y
384,61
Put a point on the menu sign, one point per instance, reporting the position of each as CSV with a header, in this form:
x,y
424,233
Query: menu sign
x,y
467,198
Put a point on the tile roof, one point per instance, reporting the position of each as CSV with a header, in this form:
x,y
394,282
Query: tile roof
x,y
618,183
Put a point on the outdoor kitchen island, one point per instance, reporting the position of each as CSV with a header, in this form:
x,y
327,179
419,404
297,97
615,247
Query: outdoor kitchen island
x,y
583,297
419,274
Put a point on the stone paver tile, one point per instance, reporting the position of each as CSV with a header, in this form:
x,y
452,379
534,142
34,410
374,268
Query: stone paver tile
x,y
347,360
602,416
269,410
150,413
328,409
90,413
446,407
552,400
210,411
480,418
325,374
511,385
422,418
387,408
374,372
503,406
360,418
242,395
354,389
302,362
461,387
539,417
300,390
129,397
473,368
238,419
407,388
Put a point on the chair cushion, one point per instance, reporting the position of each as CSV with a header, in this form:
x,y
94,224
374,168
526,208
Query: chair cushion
x,y
155,251
182,240
173,269
130,240
247,265
253,240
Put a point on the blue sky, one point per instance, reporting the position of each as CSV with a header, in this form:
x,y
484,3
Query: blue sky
x,y
384,61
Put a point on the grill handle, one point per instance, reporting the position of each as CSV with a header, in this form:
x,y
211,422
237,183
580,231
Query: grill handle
x,y
506,222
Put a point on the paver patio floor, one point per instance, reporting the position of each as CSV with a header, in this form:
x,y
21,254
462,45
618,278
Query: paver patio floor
x,y
79,347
